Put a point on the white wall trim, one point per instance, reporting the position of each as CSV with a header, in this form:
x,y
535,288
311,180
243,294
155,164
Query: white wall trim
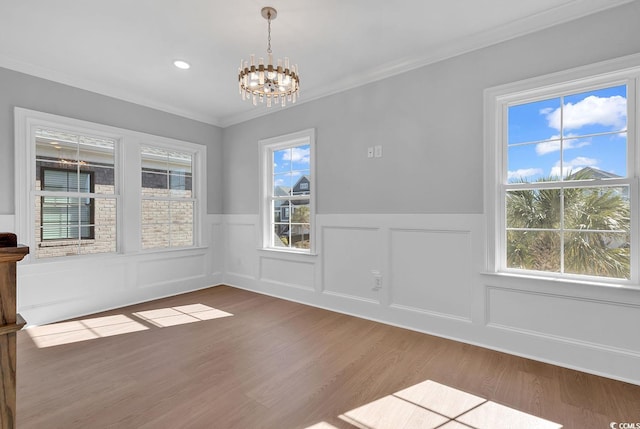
x,y
344,285
431,313
566,340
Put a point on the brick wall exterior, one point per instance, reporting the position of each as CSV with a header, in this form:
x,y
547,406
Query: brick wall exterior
x,y
104,240
159,228
166,223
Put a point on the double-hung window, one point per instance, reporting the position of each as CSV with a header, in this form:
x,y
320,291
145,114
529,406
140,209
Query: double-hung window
x,y
562,186
74,193
168,200
287,192
86,188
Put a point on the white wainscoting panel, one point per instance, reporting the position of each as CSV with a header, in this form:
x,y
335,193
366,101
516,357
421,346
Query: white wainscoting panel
x,y
168,269
349,256
285,272
433,281
216,242
431,272
599,324
62,288
241,247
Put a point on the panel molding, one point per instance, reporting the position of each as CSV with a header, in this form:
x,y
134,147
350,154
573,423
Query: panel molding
x,y
324,230
461,274
566,340
350,297
473,325
262,277
554,337
431,313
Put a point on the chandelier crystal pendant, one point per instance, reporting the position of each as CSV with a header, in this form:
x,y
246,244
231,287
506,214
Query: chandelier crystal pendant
x,y
277,83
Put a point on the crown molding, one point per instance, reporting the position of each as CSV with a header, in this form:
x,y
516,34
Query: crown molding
x,y
568,11
518,28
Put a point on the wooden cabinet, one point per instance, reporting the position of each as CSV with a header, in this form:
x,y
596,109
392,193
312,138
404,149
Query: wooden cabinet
x,y
10,324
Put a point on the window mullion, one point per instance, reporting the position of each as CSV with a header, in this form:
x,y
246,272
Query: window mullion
x,y
633,171
562,230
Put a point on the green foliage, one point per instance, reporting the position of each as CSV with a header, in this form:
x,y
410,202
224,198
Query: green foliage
x,y
300,215
595,231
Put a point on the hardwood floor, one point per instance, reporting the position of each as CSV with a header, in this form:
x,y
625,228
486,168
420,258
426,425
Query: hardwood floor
x,y
228,358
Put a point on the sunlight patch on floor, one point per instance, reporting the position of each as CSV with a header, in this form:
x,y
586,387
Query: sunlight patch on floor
x,y
431,405
322,425
82,330
172,316
75,331
393,413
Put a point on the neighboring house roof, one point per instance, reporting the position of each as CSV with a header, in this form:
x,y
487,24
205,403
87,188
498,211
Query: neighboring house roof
x,y
281,191
594,173
305,179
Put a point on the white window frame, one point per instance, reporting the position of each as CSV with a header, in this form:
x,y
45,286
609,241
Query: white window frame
x,y
128,179
266,149
497,100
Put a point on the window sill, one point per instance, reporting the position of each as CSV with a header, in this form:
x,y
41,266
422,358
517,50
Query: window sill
x,y
194,249
150,253
288,252
66,243
565,281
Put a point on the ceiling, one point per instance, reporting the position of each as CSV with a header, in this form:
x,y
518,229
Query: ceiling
x,y
126,49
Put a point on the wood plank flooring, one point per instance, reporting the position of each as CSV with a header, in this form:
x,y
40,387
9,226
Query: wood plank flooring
x,y
228,358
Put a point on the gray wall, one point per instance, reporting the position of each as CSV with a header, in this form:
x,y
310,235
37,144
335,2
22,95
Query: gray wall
x,y
18,89
429,122
431,132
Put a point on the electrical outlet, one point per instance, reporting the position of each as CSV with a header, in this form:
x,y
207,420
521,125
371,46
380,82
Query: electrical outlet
x,y
377,280
378,151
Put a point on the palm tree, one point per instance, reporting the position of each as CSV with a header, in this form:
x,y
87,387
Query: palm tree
x,y
595,229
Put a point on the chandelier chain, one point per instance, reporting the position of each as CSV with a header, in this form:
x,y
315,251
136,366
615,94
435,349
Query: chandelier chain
x,y
269,31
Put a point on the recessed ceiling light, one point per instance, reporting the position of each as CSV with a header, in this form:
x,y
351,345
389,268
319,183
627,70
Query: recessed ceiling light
x,y
181,64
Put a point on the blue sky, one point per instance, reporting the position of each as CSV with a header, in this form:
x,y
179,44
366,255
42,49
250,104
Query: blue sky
x,y
290,164
538,131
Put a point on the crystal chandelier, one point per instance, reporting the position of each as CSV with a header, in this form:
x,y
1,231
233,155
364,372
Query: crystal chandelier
x,y
277,83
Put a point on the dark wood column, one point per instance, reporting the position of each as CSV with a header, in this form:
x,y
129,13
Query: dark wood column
x,y
10,323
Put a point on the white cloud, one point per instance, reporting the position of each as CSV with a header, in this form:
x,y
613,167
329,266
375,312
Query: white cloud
x,y
284,179
297,154
554,145
573,166
523,173
593,110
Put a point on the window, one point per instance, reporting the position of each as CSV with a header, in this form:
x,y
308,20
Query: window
x,y
287,192
167,198
66,218
86,188
74,193
566,180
